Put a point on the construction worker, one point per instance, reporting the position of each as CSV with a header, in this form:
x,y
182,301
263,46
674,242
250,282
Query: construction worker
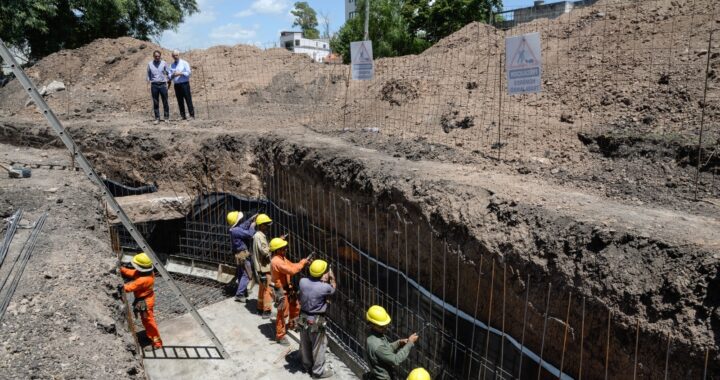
x,y
261,262
383,356
285,295
314,293
238,235
142,280
419,374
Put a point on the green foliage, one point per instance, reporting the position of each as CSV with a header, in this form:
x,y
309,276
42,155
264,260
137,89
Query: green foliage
x,y
445,17
399,27
306,19
388,29
41,27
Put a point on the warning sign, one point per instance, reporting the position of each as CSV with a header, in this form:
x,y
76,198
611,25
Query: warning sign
x,y
523,63
361,57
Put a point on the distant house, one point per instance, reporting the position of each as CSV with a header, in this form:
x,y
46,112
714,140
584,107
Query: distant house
x,y
350,9
318,50
540,9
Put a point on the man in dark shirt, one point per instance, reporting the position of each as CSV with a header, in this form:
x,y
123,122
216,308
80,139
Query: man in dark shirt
x,y
157,77
314,293
239,234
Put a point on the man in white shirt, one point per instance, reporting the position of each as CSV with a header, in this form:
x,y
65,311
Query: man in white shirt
x,y
179,74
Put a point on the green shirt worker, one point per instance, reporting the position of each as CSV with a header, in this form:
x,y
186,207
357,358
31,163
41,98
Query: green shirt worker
x,y
384,356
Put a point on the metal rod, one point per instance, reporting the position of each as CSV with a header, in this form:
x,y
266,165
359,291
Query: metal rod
x,y
489,320
707,356
522,339
366,27
567,323
607,345
637,340
92,175
542,344
500,97
667,355
477,302
582,338
502,338
702,115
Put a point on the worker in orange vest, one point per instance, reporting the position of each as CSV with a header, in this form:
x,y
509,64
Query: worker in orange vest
x,y
286,297
142,280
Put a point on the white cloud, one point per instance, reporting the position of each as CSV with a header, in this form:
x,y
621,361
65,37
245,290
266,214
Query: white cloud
x,y
264,6
204,17
231,34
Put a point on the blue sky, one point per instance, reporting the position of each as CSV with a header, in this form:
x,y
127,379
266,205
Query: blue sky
x,y
255,22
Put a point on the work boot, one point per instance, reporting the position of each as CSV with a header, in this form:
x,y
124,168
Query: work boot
x,y
284,341
240,299
266,314
326,373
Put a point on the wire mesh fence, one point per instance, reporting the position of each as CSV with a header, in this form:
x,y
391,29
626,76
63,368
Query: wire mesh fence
x,y
472,315
628,88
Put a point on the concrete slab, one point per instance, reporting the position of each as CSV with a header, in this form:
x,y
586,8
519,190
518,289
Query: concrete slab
x,y
162,205
246,336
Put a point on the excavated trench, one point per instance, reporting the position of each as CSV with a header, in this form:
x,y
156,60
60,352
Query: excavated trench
x,y
447,257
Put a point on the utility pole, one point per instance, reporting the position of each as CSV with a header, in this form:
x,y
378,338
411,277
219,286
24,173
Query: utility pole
x,y
367,20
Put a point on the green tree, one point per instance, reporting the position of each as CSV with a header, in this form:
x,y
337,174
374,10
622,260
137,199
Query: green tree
x,y
389,30
41,27
445,17
306,19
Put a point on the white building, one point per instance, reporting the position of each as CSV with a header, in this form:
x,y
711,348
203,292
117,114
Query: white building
x,y
350,9
296,43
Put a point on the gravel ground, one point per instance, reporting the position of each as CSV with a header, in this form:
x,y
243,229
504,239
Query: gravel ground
x,y
65,320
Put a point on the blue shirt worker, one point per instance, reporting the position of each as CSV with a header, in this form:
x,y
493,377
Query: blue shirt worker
x,y
314,293
239,234
157,77
179,73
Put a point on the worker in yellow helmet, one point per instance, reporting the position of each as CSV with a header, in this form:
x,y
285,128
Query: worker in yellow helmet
x,y
239,234
261,262
141,284
419,374
384,356
285,295
314,293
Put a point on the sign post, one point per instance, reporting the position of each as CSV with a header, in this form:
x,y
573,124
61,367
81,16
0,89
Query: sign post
x,y
523,64
361,57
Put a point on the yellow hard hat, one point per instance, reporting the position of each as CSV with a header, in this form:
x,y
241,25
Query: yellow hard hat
x,y
262,219
318,268
377,316
233,218
419,374
277,243
142,262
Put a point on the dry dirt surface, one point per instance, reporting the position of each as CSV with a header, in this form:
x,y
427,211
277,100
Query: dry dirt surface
x,y
65,320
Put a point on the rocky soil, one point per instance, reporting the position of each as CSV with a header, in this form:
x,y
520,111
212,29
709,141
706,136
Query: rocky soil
x,y
65,319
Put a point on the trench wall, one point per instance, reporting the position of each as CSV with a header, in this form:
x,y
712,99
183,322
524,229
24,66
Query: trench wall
x,y
507,260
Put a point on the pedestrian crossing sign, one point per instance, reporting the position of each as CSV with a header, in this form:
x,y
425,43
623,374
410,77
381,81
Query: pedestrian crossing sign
x,y
361,56
523,63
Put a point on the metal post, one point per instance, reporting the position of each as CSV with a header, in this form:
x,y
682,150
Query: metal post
x,y
366,36
90,172
702,115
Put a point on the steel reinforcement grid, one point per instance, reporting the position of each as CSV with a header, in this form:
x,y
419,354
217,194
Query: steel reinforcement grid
x,y
454,344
